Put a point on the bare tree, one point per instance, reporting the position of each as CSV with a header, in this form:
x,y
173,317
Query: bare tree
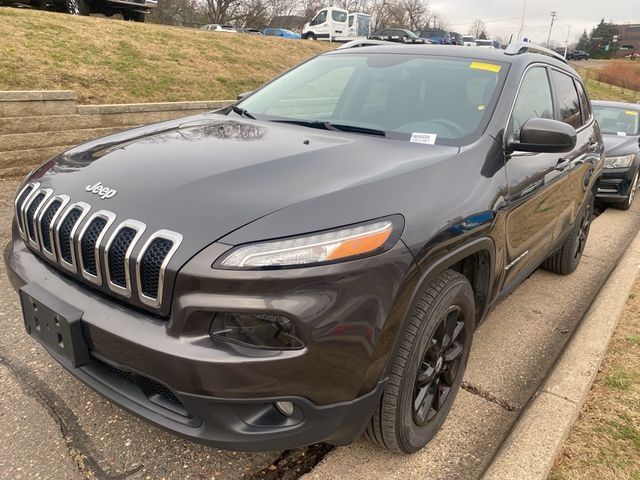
x,y
417,13
477,28
222,11
178,12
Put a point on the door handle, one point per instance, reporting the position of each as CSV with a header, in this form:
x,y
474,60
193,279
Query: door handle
x,y
594,146
562,164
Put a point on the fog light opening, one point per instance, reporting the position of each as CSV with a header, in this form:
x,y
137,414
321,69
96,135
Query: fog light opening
x,y
256,330
285,408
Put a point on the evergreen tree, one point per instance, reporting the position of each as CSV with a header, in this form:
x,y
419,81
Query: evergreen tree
x,y
583,43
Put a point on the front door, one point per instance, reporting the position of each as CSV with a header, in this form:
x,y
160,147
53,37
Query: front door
x,y
536,182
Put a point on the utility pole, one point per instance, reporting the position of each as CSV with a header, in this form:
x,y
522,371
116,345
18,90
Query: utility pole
x,y
566,44
521,31
554,15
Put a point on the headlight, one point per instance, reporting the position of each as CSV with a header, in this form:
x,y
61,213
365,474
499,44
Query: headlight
x,y
619,162
324,247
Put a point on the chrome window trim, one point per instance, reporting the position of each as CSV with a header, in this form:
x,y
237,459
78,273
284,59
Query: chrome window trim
x,y
168,235
35,243
109,217
85,208
64,199
19,215
139,227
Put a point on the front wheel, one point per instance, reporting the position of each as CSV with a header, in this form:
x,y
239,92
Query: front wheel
x,y
566,260
427,371
626,204
310,36
77,7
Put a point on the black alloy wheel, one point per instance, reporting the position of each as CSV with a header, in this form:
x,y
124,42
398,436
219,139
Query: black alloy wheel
x,y
567,258
440,366
426,373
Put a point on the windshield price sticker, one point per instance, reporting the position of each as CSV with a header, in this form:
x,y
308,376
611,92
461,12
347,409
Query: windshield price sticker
x,y
489,67
425,138
631,112
622,134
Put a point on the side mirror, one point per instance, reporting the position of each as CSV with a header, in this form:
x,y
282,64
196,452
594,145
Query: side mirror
x,y
543,135
243,95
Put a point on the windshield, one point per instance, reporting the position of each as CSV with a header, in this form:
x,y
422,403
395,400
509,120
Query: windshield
x,y
398,94
617,121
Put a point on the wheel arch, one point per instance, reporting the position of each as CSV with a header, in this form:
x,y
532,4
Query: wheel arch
x,y
475,260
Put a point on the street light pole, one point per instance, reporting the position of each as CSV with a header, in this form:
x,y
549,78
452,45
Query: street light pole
x,y
566,44
524,11
554,15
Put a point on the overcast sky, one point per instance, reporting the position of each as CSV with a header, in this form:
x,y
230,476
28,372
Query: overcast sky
x,y
503,17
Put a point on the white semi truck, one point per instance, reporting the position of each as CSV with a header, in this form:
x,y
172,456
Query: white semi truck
x,y
335,24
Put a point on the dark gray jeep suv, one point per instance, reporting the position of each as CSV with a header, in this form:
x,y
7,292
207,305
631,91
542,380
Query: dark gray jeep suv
x,y
311,262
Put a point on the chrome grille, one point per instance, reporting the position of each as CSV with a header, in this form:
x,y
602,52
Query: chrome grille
x,y
152,264
87,245
118,254
89,241
21,200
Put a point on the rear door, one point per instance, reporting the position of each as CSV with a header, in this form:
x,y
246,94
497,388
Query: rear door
x,y
574,108
537,183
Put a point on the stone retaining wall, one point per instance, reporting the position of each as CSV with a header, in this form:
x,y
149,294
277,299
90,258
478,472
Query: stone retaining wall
x,y
36,125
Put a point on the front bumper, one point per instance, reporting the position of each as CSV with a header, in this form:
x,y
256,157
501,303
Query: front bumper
x,y
171,373
615,183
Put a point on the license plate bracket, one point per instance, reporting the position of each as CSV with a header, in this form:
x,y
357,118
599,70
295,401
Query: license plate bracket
x,y
55,324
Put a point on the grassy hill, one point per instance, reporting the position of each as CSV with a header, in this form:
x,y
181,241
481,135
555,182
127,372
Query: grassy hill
x,y
112,61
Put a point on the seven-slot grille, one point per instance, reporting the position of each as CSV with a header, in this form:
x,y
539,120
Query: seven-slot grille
x,y
59,230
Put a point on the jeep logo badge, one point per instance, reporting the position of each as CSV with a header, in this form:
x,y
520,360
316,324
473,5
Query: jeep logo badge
x,y
102,192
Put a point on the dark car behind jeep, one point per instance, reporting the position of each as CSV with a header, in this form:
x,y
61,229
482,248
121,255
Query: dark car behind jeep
x,y
620,125
312,262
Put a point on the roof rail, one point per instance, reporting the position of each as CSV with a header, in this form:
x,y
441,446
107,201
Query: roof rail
x,y
365,42
516,48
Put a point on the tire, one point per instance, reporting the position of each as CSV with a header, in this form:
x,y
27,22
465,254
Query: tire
x,y
567,259
310,36
133,16
421,369
77,7
626,204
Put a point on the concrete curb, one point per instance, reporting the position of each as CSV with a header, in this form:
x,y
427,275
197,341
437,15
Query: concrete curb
x,y
530,450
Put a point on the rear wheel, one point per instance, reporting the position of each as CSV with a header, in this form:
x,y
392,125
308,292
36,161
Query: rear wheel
x,y
566,260
77,7
133,16
427,371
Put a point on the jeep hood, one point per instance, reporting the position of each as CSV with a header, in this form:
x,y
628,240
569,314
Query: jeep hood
x,y
208,175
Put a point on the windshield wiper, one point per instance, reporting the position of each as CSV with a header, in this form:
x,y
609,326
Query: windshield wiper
x,y
323,125
242,112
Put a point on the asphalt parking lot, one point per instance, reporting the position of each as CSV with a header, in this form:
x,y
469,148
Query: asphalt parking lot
x,y
52,426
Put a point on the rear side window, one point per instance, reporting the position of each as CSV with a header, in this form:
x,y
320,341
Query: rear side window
x,y
534,99
585,105
338,16
567,97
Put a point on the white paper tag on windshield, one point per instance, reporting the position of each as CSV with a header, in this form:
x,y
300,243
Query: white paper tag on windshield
x,y
426,138
622,134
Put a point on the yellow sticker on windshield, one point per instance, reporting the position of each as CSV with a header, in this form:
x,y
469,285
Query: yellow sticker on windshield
x,y
489,67
631,112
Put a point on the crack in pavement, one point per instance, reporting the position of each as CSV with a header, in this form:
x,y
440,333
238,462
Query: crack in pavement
x,y
487,396
294,463
78,443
